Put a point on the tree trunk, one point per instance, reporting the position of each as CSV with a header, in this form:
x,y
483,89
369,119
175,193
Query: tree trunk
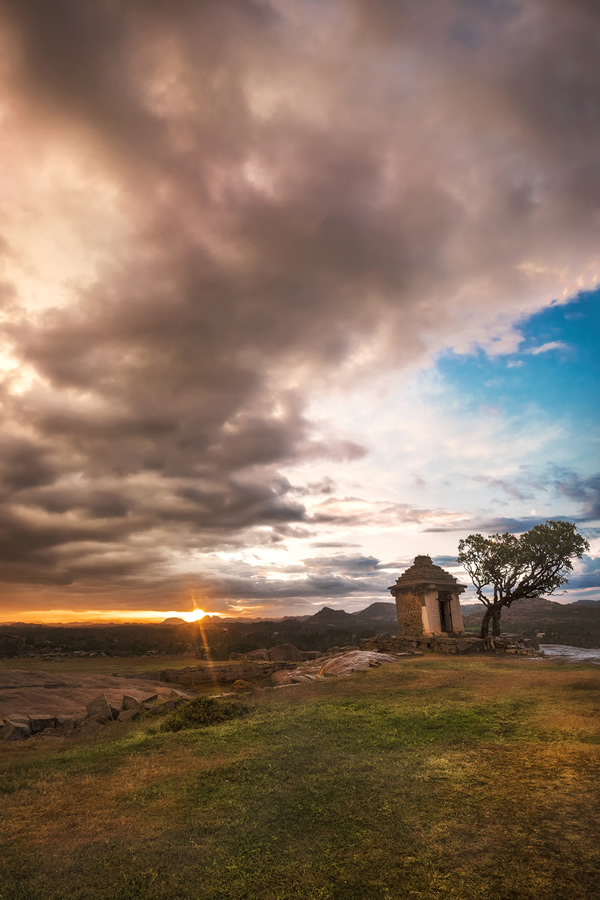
x,y
485,622
496,622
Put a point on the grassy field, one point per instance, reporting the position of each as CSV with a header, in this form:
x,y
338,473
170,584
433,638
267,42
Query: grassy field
x,y
428,778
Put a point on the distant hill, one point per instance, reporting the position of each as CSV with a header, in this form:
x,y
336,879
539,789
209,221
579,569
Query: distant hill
x,y
377,612
173,620
338,618
556,623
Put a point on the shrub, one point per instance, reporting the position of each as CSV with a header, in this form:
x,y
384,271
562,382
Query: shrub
x,y
204,711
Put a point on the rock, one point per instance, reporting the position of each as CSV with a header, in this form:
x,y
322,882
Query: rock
x,y
64,724
296,676
15,731
148,698
16,728
130,703
241,685
285,653
354,661
91,726
126,715
330,666
41,723
99,706
99,719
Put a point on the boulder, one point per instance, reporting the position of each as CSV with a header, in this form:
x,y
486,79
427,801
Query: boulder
x,y
91,726
258,655
17,730
99,719
64,724
241,685
295,676
99,706
126,715
330,666
148,698
130,703
41,723
285,653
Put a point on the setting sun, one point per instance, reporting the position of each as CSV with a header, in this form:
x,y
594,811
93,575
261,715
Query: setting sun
x,y
193,616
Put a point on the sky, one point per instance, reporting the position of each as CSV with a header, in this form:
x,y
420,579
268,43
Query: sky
x,y
291,291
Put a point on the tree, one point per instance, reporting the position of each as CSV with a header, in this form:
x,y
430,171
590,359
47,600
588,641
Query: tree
x,y
507,567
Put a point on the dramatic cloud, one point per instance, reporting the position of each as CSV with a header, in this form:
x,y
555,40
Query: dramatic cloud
x,y
218,210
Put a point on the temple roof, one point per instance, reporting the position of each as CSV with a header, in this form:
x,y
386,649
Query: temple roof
x,y
423,573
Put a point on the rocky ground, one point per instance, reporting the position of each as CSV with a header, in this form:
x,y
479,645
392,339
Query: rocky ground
x,y
34,693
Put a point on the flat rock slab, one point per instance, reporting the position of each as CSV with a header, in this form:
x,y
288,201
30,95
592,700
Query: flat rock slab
x,y
342,664
39,694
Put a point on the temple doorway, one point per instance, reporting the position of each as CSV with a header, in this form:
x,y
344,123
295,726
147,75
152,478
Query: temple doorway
x,y
445,601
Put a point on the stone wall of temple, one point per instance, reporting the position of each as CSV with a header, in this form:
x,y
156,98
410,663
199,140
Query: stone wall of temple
x,y
408,606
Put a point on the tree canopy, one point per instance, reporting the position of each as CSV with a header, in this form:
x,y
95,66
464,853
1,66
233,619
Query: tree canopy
x,y
509,567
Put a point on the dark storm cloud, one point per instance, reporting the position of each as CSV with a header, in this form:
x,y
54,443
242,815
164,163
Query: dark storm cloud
x,y
298,182
345,565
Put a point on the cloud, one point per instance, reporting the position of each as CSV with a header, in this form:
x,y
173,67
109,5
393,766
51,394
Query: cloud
x,y
220,209
547,347
496,525
583,489
586,574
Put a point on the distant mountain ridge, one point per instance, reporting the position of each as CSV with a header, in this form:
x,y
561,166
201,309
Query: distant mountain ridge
x,y
378,613
574,624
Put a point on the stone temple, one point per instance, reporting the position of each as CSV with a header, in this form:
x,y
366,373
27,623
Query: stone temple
x,y
427,601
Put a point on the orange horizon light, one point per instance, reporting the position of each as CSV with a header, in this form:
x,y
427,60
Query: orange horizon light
x,y
101,616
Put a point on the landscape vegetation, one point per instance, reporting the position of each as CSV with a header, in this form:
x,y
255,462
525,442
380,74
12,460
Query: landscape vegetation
x,y
575,624
299,298
430,777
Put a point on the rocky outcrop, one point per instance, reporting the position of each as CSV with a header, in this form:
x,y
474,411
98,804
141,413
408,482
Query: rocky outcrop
x,y
285,653
99,714
100,706
215,673
341,664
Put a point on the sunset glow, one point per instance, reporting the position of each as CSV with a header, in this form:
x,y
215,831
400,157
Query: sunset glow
x,y
192,616
89,616
291,292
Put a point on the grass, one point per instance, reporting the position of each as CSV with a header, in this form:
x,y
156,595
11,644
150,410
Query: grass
x,y
203,711
107,665
429,778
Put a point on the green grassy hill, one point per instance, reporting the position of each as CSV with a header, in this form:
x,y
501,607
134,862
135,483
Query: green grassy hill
x,y
463,778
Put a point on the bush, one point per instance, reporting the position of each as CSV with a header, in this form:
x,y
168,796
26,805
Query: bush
x,y
204,711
